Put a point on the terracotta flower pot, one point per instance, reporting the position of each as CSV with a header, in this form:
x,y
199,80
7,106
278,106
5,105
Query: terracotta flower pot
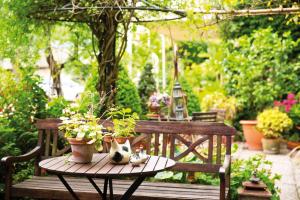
x,y
154,109
252,135
82,152
122,140
291,145
271,146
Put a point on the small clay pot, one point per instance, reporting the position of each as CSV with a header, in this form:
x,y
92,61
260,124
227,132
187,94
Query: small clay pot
x,y
271,146
253,137
82,152
122,140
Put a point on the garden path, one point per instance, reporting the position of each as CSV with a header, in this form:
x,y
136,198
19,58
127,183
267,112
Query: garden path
x,y
282,164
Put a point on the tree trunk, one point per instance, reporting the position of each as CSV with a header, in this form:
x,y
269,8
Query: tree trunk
x,y
105,30
55,71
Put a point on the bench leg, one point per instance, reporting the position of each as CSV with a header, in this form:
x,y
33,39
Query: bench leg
x,y
61,178
133,188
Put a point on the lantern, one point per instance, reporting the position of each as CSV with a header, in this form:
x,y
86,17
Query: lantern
x,y
177,90
179,113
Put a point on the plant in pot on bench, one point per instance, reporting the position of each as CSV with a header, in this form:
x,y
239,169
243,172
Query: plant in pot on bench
x,y
84,135
124,122
273,123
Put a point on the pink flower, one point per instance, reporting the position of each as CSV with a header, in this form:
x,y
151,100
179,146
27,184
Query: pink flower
x,y
291,96
277,103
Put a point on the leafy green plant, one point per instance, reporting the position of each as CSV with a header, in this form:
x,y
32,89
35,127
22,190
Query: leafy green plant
x,y
294,114
82,127
273,122
127,95
124,121
242,170
295,137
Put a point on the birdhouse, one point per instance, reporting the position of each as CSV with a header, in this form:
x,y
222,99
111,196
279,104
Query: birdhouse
x,y
254,191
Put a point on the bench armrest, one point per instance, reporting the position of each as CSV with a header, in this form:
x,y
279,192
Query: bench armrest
x,y
22,158
224,169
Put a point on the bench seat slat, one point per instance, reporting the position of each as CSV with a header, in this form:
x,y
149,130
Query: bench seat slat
x,y
51,187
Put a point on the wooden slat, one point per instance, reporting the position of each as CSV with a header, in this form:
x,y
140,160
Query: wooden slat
x,y
165,144
151,164
95,160
156,144
54,143
52,162
210,149
98,166
219,149
161,163
47,143
148,145
172,147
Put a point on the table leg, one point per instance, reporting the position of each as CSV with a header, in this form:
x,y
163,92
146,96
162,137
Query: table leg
x,y
61,178
133,188
111,192
96,187
105,188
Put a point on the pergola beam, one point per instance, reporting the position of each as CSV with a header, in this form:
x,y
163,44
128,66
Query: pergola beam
x,y
250,12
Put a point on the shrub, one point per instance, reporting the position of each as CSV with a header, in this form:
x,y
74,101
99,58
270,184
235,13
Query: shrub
x,y
56,106
258,70
146,86
193,104
273,122
218,100
127,95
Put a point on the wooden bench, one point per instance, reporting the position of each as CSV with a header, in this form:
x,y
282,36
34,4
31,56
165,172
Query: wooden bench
x,y
161,138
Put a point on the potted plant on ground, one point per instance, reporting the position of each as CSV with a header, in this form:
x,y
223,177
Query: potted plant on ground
x,y
124,122
273,123
84,135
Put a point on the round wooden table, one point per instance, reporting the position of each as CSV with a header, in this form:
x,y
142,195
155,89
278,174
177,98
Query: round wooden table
x,y
100,167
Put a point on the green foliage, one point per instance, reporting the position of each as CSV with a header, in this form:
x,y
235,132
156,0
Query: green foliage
x,y
56,106
193,104
272,123
294,114
192,52
242,170
127,95
219,101
258,70
295,137
146,86
124,121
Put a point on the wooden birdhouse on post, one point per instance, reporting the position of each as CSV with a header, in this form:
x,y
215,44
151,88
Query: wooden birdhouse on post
x,y
254,189
178,107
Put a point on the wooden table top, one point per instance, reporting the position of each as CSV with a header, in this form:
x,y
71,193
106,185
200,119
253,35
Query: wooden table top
x,y
101,167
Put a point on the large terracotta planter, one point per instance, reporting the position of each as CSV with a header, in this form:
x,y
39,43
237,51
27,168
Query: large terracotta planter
x,y
271,146
82,152
252,135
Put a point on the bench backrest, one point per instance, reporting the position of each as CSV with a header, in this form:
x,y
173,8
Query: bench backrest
x,y
163,138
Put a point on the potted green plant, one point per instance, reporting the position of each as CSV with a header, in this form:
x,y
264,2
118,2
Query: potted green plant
x,y
124,122
84,135
273,123
294,114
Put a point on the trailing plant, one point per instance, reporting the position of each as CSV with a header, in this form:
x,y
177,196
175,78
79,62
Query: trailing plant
x,y
273,122
127,95
124,122
147,86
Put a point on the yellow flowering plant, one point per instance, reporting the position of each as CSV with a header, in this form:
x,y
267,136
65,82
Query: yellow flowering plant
x,y
272,123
